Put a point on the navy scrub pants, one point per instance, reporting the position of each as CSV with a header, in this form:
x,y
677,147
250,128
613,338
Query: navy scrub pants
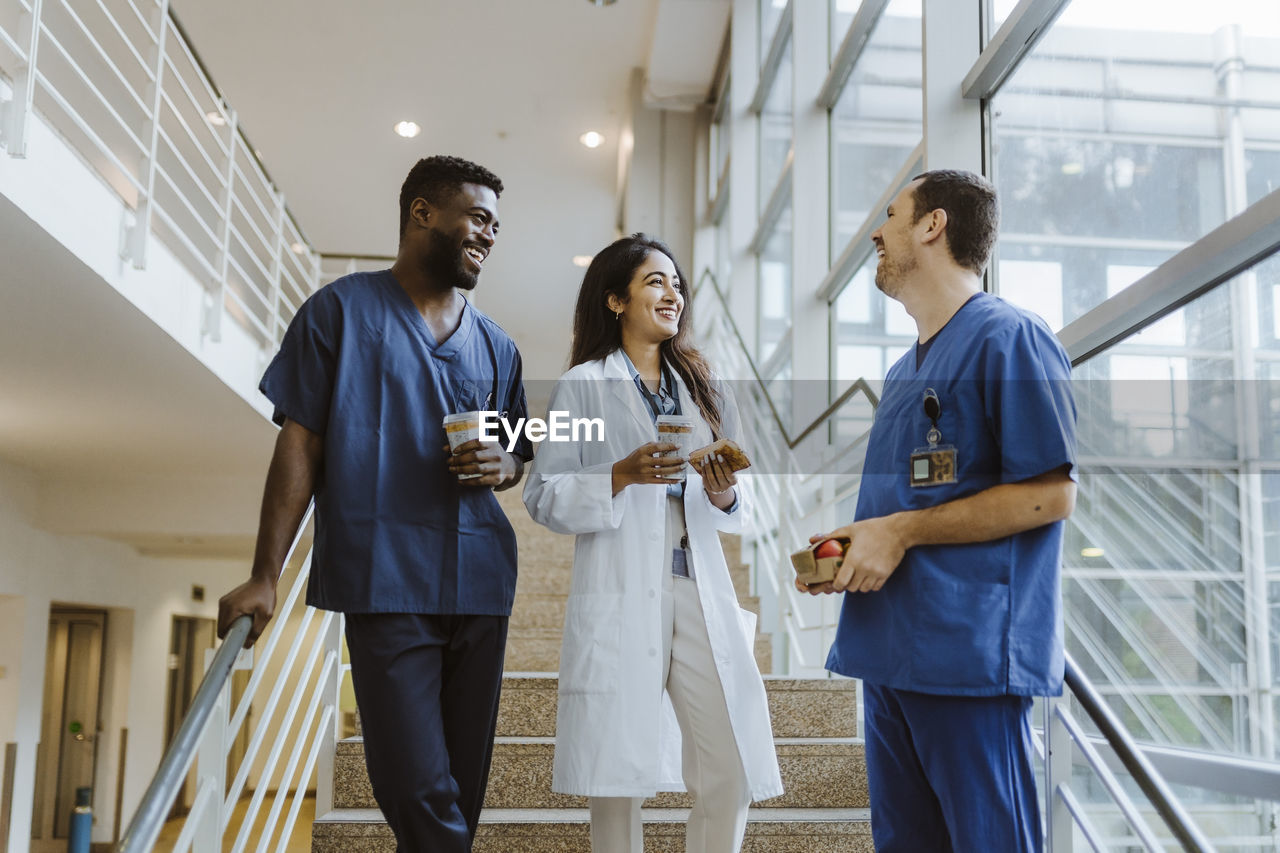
x,y
950,774
427,687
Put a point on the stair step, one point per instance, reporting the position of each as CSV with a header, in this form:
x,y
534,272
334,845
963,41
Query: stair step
x,y
546,609
798,707
816,773
566,831
538,650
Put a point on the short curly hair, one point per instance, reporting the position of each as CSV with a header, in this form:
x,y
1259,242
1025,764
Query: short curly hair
x,y
437,178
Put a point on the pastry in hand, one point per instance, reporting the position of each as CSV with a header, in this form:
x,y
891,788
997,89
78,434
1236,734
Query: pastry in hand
x,y
725,448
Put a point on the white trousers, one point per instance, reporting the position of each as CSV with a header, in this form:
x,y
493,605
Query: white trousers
x,y
710,762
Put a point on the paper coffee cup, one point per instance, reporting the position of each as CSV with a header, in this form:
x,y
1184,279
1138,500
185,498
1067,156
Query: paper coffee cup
x,y
460,428
677,430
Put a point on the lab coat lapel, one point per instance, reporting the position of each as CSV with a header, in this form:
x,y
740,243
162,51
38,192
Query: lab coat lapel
x,y
624,388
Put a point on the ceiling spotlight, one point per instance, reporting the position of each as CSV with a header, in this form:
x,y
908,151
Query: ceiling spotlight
x,y
591,139
1091,552
582,260
299,248
215,118
408,129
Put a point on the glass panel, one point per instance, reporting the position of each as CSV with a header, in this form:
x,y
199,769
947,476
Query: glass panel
x,y
877,121
775,288
1115,144
869,330
770,13
775,129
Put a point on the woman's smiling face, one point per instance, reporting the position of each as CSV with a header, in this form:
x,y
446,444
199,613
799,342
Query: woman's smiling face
x,y
655,301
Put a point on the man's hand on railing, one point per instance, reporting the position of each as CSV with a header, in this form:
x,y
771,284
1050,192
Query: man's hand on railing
x,y
256,598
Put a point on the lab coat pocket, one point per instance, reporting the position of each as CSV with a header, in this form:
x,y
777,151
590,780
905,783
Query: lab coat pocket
x,y
963,636
589,654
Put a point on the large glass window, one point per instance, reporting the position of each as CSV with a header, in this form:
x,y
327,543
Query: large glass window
x,y
870,330
878,120
775,288
775,128
770,14
1116,143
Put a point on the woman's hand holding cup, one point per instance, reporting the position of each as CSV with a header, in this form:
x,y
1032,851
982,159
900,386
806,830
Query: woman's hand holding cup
x,y
647,464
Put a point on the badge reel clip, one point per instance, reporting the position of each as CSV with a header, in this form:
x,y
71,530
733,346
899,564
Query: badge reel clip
x,y
934,465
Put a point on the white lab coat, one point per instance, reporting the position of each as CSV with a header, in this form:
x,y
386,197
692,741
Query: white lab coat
x,y
616,733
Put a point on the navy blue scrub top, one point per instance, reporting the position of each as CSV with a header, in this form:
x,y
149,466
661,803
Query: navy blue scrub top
x,y
980,619
395,532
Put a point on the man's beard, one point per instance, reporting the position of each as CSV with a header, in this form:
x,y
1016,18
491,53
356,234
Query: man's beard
x,y
890,275
445,262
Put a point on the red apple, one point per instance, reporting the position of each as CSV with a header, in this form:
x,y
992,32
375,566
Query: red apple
x,y
829,548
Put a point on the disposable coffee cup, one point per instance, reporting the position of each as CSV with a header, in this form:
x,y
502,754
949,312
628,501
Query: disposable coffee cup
x,y
677,430
460,428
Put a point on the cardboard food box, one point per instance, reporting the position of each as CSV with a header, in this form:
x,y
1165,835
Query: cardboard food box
x,y
812,569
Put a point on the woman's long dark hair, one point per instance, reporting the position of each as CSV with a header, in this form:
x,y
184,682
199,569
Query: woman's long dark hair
x,y
597,332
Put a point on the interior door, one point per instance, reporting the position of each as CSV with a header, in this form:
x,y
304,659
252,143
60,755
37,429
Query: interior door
x,y
68,753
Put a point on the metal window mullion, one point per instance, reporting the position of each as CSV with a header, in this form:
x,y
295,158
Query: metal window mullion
x,y
18,109
1019,33
718,205
102,53
1109,781
135,248
1237,244
84,78
773,60
851,47
778,201
859,245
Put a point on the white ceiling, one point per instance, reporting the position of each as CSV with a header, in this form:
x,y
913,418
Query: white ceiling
x,y
510,84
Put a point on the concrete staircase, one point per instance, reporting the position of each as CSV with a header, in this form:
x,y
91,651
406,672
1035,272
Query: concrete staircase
x,y
823,809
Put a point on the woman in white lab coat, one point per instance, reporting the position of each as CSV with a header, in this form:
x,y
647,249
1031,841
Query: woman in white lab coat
x,y
652,623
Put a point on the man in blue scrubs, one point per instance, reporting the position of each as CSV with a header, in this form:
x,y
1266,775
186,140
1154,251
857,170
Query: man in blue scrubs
x,y
421,561
952,614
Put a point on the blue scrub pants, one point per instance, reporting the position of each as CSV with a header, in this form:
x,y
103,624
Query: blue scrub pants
x,y
950,774
427,687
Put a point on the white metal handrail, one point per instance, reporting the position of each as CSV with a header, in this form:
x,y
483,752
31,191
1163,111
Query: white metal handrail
x,y
160,123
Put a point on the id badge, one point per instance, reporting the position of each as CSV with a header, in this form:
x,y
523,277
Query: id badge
x,y
933,466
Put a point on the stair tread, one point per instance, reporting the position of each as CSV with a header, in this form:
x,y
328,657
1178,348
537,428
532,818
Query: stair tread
x,y
556,815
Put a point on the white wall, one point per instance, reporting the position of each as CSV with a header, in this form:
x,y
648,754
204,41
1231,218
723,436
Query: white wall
x,y
141,596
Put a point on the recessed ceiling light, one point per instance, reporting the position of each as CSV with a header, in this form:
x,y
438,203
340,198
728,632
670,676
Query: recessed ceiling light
x,y
582,260
408,129
298,248
591,139
215,118
602,2
1091,552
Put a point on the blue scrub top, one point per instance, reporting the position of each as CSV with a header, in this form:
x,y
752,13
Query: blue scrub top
x,y
981,619
395,532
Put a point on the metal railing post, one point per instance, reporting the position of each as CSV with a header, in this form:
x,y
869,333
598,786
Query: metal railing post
x,y
1057,772
211,770
135,244
332,698
18,110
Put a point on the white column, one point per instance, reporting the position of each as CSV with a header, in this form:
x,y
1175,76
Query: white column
x,y
740,218
952,42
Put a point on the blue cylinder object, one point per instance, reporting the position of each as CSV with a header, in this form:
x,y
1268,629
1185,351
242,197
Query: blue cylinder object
x,y
81,822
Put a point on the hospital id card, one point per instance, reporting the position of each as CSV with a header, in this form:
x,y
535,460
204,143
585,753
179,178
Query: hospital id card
x,y
933,466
